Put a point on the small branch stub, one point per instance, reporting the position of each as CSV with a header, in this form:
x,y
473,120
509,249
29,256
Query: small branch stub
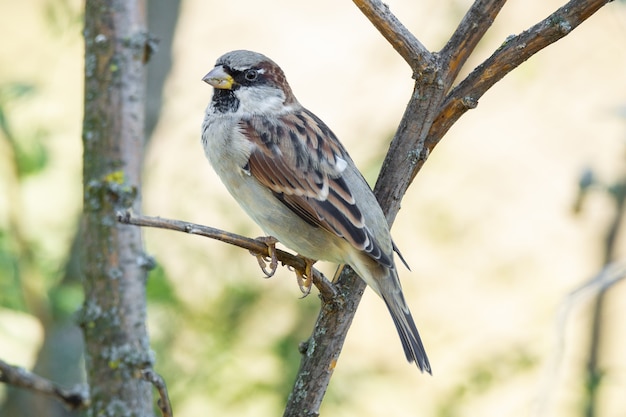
x,y
469,102
159,384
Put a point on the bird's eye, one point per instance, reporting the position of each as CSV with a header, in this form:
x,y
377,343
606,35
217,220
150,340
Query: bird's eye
x,y
251,74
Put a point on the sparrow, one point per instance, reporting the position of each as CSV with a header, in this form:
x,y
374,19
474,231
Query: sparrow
x,y
293,177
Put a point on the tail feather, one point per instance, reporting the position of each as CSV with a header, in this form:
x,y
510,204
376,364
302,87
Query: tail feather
x,y
385,282
409,335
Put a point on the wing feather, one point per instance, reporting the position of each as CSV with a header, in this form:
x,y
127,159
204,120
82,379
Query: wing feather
x,y
300,159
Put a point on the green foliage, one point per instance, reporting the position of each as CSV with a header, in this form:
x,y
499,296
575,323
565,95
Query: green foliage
x,y
29,153
10,294
65,298
484,376
159,290
61,16
212,351
28,274
27,157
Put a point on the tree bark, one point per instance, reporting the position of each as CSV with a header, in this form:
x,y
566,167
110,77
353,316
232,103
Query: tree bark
x,y
433,108
113,263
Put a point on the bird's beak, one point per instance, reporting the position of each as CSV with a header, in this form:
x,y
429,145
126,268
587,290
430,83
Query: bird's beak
x,y
219,78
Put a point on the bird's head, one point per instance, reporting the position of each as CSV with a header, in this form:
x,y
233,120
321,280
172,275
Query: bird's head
x,y
249,82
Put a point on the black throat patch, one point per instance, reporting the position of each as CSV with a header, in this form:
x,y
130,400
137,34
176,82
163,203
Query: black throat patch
x,y
225,101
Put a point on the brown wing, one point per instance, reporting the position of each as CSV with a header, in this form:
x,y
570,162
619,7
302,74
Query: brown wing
x,y
300,159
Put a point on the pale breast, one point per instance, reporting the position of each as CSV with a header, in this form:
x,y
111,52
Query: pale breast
x,y
224,146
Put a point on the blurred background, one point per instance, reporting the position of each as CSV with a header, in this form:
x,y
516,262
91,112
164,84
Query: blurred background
x,y
514,210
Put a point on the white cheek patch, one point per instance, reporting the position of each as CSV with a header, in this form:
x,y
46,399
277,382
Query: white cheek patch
x,y
260,100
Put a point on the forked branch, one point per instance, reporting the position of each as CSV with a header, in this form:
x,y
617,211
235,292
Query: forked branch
x,y
431,111
513,51
470,31
403,41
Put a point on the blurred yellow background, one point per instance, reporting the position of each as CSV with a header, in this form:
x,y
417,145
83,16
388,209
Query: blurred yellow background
x,y
488,226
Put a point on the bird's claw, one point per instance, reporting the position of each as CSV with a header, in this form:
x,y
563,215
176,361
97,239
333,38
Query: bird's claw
x,y
270,241
305,278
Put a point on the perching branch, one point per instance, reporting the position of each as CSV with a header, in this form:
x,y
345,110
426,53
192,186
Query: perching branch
x,y
74,399
325,287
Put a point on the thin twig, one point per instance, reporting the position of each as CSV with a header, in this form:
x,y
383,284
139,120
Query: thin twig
x,y
74,399
325,287
159,383
470,31
403,41
595,374
514,51
610,275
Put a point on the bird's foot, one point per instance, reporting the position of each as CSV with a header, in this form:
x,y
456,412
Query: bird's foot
x,y
270,241
305,278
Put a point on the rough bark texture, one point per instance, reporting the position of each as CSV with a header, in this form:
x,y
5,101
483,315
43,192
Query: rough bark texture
x,y
433,108
114,265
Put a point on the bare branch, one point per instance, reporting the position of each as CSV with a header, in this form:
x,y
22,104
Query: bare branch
x,y
75,399
325,287
164,400
424,122
514,51
470,31
403,41
610,275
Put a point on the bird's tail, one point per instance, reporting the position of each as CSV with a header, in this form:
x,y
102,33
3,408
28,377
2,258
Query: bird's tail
x,y
384,281
409,336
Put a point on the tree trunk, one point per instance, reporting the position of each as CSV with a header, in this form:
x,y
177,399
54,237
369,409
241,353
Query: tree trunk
x,y
114,264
